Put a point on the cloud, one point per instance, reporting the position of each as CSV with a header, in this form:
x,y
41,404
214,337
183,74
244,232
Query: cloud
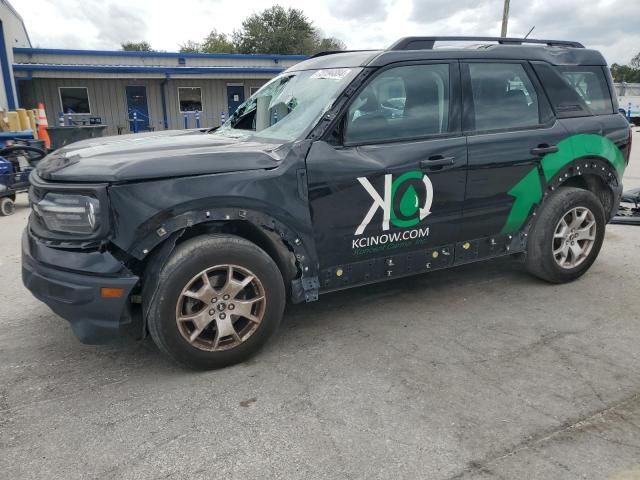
x,y
372,10
114,24
429,11
610,26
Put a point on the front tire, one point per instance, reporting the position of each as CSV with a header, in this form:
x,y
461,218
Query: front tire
x,y
219,299
567,236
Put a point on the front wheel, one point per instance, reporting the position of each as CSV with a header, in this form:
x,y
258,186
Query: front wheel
x,y
567,236
219,299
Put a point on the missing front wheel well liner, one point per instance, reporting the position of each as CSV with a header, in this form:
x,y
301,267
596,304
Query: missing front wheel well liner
x,y
595,185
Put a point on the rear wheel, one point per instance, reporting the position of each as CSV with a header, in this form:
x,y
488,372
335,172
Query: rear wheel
x,y
7,207
219,299
567,236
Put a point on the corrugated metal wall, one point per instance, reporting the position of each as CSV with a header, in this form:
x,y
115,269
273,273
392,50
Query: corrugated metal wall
x,y
108,99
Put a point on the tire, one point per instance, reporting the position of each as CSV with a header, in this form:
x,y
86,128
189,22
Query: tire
x,y
181,278
7,207
568,204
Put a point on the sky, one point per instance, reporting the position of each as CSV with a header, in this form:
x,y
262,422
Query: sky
x,y
611,26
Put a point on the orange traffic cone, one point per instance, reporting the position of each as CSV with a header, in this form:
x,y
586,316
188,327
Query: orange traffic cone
x,y
42,126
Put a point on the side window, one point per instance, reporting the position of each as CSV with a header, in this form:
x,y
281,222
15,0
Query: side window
x,y
503,96
591,85
567,103
400,103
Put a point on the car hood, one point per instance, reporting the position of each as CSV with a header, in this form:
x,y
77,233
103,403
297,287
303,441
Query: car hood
x,y
158,155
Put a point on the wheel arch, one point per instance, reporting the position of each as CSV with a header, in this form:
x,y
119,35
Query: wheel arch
x,y
592,173
293,253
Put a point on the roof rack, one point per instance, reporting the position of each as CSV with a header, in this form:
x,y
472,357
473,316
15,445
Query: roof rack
x,y
427,43
333,52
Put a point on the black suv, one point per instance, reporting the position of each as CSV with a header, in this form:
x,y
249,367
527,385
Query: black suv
x,y
348,168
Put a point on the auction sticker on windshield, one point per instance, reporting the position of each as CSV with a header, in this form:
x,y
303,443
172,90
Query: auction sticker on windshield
x,y
332,73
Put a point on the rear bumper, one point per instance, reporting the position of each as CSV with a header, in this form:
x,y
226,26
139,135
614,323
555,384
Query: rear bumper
x,y
75,295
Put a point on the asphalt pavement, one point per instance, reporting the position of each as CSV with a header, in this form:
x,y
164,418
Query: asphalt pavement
x,y
480,372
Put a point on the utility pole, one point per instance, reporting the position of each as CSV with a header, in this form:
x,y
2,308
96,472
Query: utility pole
x,y
505,18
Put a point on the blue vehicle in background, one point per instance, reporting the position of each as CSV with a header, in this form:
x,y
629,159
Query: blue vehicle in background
x,y
16,163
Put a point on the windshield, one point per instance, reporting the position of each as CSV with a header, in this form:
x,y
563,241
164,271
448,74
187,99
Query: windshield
x,y
290,104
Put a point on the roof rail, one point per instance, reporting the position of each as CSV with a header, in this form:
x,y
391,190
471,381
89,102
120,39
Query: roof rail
x,y
427,43
333,52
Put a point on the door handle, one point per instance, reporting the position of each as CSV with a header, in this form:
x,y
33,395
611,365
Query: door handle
x,y
436,161
543,149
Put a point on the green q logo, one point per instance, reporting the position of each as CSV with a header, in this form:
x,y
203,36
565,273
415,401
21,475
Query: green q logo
x,y
405,203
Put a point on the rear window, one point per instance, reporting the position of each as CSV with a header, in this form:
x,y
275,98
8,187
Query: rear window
x,y
575,91
591,85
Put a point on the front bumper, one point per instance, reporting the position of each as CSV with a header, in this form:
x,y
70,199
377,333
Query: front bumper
x,y
69,282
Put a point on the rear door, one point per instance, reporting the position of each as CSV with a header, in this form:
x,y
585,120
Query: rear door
x,y
395,182
510,127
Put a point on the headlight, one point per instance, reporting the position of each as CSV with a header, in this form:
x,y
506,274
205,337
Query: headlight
x,y
67,213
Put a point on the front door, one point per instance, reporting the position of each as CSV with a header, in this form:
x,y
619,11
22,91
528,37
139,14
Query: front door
x,y
235,97
510,127
138,109
395,182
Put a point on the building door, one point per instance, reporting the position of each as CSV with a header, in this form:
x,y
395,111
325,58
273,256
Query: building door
x,y
235,97
137,108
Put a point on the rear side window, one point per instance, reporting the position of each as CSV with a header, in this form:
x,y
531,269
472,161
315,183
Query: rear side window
x,y
591,85
503,96
401,103
575,91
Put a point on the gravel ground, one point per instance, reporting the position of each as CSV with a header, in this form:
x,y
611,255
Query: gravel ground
x,y
480,372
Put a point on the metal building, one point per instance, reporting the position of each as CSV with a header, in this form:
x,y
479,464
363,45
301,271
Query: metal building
x,y
12,34
138,91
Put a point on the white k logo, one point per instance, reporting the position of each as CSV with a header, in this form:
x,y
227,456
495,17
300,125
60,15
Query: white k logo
x,y
378,202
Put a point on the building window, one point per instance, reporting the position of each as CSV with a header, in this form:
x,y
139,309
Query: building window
x,y
190,99
75,100
253,90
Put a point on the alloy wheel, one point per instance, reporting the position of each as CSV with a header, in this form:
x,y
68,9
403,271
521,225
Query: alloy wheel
x,y
220,307
574,237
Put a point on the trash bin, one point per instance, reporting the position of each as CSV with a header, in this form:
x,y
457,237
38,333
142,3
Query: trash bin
x,y
61,136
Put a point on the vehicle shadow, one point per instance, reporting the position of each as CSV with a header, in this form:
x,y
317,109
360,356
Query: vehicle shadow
x,y
331,311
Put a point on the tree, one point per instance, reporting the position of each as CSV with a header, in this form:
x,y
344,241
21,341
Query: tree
x,y
635,61
217,43
274,30
190,47
625,73
328,45
136,47
279,31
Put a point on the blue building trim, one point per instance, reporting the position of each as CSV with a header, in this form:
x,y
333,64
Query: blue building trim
x,y
39,67
6,73
119,53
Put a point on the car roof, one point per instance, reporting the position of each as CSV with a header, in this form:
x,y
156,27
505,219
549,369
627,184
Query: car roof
x,y
555,52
